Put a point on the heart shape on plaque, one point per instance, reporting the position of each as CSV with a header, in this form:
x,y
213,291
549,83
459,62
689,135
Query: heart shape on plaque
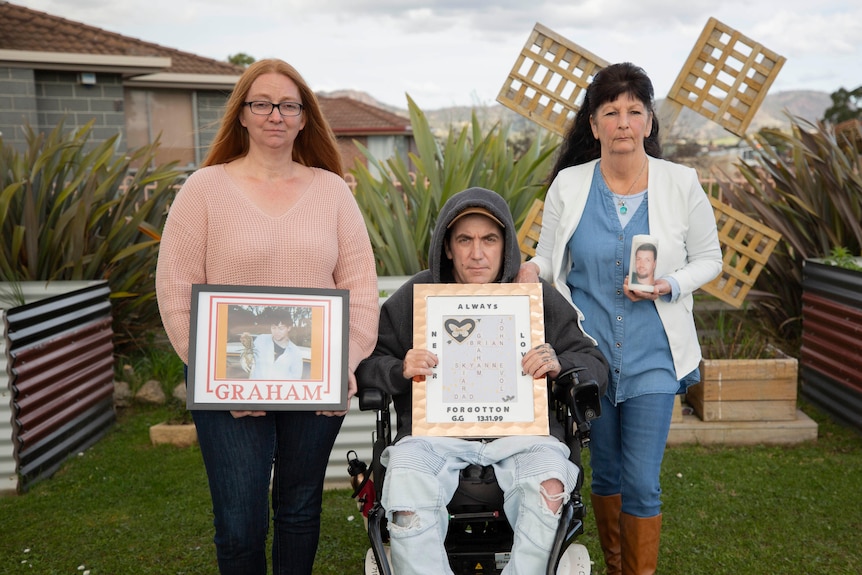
x,y
459,329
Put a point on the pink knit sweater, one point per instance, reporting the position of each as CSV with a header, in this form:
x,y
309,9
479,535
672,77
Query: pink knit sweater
x,y
214,234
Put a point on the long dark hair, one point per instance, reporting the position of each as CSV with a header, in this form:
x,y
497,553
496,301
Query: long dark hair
x,y
579,146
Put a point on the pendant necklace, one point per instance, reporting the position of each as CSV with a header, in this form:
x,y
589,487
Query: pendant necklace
x,y
621,202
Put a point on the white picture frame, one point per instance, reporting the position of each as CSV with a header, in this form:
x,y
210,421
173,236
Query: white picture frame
x,y
480,333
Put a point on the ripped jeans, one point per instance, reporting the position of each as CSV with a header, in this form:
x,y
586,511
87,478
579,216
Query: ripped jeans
x,y
422,475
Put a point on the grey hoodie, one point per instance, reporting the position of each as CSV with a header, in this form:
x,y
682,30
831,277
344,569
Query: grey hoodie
x,y
440,267
384,368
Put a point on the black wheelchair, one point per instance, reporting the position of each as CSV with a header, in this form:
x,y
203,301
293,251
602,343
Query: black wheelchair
x,y
479,539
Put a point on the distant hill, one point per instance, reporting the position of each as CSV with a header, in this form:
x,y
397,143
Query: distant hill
x,y
775,112
807,104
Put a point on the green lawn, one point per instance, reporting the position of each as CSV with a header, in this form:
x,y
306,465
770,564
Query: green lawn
x,y
125,507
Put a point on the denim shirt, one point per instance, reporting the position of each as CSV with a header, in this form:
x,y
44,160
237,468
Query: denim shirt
x,y
629,334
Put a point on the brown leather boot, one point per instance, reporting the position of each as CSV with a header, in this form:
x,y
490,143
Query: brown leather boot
x,y
640,537
606,509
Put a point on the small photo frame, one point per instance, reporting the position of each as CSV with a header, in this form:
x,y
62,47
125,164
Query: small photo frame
x,y
480,333
642,264
268,348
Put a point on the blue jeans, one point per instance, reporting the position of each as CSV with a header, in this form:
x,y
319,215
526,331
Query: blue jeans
x,y
422,475
241,455
626,450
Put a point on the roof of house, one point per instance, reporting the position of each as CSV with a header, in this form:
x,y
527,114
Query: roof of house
x,y
36,39
351,117
27,30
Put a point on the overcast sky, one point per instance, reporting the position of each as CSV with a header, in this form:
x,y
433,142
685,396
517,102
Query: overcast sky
x,y
460,52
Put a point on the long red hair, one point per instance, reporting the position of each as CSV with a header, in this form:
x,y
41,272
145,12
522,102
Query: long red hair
x,y
315,145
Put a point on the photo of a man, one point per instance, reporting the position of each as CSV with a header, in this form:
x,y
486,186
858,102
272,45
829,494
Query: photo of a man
x,y
643,263
276,357
645,258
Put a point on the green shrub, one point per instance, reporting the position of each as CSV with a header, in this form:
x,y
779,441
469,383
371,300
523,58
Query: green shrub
x,y
727,333
157,360
841,257
401,206
812,194
73,210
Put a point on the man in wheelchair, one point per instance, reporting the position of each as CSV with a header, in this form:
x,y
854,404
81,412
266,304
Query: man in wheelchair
x,y
474,241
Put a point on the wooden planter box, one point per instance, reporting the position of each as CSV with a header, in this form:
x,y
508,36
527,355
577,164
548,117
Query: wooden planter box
x,y
745,390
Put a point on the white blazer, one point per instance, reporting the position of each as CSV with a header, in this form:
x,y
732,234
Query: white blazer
x,y
682,219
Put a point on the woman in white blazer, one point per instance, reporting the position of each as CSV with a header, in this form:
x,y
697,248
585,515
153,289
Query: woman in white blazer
x,y
609,185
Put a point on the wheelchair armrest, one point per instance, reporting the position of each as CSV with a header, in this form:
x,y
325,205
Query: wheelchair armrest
x,y
565,381
373,399
581,397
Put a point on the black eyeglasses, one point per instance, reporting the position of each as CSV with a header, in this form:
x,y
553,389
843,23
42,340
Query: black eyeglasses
x,y
266,108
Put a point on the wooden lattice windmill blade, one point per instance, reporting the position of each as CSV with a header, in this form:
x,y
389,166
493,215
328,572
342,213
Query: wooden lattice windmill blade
x,y
725,79
549,79
746,245
850,131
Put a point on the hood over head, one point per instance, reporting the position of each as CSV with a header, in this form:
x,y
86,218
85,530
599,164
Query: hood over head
x,y
473,200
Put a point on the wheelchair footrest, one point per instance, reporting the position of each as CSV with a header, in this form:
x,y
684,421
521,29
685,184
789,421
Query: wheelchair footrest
x,y
485,515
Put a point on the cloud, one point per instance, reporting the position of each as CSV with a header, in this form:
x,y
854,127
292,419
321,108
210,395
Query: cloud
x,y
815,35
449,52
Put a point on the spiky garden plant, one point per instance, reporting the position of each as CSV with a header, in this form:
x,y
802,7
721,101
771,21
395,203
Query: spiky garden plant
x,y
812,195
74,210
401,206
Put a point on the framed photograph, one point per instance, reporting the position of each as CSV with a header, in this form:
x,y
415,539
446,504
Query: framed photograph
x,y
268,348
642,263
479,333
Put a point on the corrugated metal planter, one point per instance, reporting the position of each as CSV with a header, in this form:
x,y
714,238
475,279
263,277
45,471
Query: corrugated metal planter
x,y
832,339
357,431
56,384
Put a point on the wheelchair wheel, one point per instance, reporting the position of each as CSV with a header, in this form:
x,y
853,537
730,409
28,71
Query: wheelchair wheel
x,y
574,561
371,563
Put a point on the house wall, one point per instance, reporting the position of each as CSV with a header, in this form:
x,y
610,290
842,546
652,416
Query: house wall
x,y
382,147
350,152
41,99
187,120
60,96
17,104
210,107
386,147
165,115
